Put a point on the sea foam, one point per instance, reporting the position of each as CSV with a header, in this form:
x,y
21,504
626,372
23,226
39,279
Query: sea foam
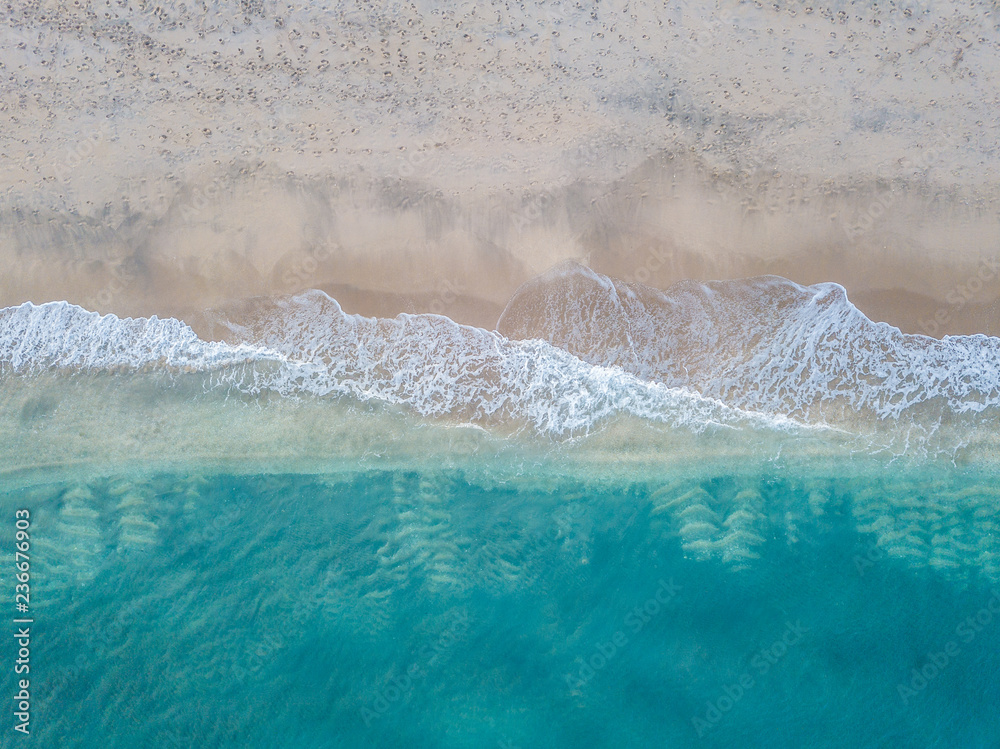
x,y
307,346
574,350
765,344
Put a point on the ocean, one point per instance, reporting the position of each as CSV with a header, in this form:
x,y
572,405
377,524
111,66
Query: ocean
x,y
343,531
433,607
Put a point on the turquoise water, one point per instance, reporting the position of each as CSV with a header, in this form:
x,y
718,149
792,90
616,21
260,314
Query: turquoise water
x,y
338,531
434,608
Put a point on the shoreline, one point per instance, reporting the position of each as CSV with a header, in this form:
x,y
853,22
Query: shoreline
x,y
926,265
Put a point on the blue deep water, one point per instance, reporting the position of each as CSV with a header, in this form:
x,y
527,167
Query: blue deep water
x,y
422,608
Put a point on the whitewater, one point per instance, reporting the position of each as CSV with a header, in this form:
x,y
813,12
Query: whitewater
x,y
572,350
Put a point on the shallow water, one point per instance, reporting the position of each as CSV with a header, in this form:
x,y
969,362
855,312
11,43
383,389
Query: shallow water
x,y
332,530
432,608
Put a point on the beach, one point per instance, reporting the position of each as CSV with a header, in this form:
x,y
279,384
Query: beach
x,y
165,162
470,375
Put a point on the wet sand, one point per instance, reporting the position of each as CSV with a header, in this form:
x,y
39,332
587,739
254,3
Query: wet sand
x,y
925,268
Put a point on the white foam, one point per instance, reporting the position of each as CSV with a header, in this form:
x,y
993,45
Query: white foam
x,y
763,353
765,344
65,336
311,347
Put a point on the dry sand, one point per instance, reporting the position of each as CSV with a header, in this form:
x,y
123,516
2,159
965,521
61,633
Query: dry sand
x,y
430,157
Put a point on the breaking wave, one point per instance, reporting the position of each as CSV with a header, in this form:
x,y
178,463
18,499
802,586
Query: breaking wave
x,y
308,346
763,344
574,349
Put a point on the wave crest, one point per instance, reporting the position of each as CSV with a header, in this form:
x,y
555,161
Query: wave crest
x,y
765,344
307,345
573,349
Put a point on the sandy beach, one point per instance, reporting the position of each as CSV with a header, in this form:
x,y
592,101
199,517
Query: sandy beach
x,y
177,160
